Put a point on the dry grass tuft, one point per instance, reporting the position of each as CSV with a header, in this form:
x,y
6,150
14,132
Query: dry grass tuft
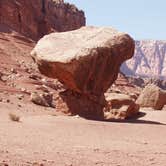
x,y
14,117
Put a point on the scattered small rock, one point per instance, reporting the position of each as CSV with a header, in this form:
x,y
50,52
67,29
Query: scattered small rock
x,y
1,74
20,97
13,70
14,117
35,77
23,90
42,87
6,100
44,99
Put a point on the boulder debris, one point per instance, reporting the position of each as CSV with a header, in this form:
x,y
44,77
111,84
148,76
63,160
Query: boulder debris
x,y
152,96
44,99
120,106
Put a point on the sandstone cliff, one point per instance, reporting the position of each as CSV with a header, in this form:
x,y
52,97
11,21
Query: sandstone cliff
x,y
22,22
35,18
149,60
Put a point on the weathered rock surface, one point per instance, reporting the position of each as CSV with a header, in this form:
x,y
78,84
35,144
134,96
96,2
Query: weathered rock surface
x,y
152,96
37,18
120,106
87,60
149,60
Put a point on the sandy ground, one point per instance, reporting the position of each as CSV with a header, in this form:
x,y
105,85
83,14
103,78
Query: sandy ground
x,y
43,139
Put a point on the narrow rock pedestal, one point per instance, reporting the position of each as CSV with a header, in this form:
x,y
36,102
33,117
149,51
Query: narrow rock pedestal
x,y
74,103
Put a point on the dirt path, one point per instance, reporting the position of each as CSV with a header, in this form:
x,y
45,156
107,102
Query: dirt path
x,y
72,141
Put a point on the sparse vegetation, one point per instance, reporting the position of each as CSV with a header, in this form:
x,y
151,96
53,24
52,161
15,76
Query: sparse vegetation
x,y
14,117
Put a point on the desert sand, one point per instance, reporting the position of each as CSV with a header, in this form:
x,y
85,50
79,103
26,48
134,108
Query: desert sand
x,y
44,138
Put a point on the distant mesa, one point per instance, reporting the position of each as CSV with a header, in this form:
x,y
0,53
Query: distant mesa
x,y
149,60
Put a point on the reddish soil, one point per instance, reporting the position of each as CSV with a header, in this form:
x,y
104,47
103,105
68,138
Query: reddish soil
x,y
44,137
51,140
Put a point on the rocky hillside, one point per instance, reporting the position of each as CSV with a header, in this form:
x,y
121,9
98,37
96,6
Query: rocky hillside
x,y
149,60
22,22
37,18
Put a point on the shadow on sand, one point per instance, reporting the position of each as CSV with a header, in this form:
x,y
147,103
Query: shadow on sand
x,y
135,120
83,102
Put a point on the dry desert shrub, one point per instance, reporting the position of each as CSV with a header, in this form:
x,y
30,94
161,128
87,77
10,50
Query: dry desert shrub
x,y
14,117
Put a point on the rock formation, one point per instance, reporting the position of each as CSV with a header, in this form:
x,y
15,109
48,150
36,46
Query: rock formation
x,y
37,18
87,61
120,106
152,96
149,60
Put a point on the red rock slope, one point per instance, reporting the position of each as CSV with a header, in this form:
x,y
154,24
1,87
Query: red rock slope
x,y
21,23
37,18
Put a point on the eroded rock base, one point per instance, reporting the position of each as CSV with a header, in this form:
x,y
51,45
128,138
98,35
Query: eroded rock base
x,y
73,103
116,107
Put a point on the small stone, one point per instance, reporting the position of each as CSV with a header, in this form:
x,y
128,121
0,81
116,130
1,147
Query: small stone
x,y
23,90
44,99
7,101
35,77
19,105
13,70
20,97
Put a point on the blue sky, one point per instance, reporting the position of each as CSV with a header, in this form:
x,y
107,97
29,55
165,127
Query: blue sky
x,y
142,19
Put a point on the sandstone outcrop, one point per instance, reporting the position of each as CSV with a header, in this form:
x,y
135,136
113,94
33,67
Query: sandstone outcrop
x,y
152,96
120,106
36,18
86,61
148,61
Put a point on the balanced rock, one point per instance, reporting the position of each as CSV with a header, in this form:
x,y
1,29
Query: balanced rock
x,y
86,61
152,96
120,106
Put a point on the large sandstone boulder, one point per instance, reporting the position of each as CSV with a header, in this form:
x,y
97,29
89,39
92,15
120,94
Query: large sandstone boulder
x,y
120,106
152,96
35,18
87,60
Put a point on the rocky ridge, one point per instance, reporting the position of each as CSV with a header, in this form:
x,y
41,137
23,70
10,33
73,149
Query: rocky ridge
x,y
149,60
